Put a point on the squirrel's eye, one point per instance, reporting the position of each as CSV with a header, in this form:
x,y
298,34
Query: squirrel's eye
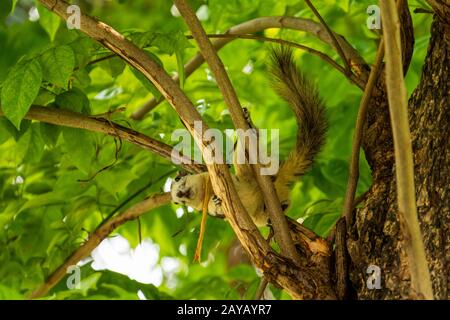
x,y
177,179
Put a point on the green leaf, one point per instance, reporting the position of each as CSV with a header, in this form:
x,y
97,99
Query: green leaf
x,y
146,83
5,9
20,89
81,78
33,225
7,130
120,293
322,215
114,66
84,48
49,133
44,97
43,200
68,186
167,42
38,188
344,4
115,179
242,272
292,10
79,147
22,145
74,100
13,132
111,281
14,3
180,65
57,65
80,211
36,144
49,21
9,294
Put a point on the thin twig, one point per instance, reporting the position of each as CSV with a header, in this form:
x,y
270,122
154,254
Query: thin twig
x,y
117,145
353,172
260,24
315,52
261,288
423,10
404,166
139,229
332,36
271,200
109,56
103,231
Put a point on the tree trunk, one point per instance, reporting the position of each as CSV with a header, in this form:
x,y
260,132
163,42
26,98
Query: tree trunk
x,y
375,237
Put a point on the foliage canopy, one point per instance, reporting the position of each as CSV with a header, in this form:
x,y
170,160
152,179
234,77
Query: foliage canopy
x,y
52,189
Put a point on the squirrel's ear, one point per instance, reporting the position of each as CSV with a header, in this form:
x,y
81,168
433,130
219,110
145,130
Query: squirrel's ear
x,y
181,173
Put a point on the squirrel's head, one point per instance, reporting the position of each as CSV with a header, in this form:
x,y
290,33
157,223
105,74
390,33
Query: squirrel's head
x,y
189,189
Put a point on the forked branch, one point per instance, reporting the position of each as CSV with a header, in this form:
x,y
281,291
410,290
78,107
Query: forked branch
x,y
357,136
356,62
355,80
333,38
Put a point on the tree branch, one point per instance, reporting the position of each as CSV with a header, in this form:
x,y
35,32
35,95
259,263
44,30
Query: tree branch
x,y
259,295
357,63
420,276
332,36
272,202
315,52
98,236
340,231
353,173
71,119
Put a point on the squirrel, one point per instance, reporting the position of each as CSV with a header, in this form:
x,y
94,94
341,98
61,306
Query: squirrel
x,y
303,98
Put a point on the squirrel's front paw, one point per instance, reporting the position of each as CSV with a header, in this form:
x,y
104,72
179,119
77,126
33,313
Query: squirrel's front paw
x,y
216,200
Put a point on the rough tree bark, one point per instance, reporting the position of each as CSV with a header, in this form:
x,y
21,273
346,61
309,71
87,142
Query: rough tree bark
x,y
375,237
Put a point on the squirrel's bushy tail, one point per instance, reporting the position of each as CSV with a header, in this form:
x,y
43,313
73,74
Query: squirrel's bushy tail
x,y
303,98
